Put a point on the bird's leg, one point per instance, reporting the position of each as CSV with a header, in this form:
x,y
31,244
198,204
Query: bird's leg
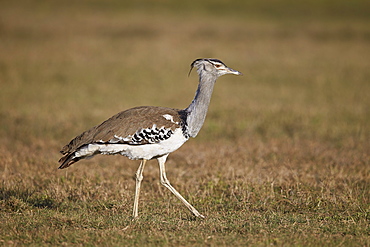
x,y
166,183
139,178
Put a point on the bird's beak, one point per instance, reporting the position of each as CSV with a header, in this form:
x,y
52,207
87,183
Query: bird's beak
x,y
234,72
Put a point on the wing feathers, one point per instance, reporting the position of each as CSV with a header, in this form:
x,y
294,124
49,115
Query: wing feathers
x,y
123,126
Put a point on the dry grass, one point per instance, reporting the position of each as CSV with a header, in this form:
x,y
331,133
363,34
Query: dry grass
x,y
283,158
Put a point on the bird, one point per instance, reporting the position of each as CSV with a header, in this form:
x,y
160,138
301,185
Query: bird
x,y
150,132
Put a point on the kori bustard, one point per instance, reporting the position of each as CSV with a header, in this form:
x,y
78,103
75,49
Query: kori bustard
x,y
148,132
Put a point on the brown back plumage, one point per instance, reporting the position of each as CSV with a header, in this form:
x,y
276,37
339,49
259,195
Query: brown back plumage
x,y
123,124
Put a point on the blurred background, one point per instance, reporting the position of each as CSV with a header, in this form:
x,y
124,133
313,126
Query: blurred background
x,y
67,65
283,156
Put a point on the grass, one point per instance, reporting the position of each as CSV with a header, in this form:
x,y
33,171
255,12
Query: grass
x,y
283,158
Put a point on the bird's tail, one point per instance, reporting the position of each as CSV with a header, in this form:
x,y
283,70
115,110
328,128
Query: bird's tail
x,y
67,160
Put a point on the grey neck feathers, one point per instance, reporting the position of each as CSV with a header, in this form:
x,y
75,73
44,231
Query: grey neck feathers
x,y
198,108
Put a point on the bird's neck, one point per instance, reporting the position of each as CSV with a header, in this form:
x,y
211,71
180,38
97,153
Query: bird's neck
x,y
197,110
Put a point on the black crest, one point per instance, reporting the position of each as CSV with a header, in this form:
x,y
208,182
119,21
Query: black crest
x,y
211,60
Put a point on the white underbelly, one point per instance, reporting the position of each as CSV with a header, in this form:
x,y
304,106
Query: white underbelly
x,y
147,151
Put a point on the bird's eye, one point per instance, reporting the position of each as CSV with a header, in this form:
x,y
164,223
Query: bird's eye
x,y
217,65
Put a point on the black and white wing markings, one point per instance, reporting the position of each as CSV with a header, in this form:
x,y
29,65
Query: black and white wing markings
x,y
144,136
152,135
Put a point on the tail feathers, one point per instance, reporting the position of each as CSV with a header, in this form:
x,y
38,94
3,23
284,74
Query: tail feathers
x,y
83,152
67,160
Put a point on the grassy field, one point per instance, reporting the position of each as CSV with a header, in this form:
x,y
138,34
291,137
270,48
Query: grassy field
x,y
283,158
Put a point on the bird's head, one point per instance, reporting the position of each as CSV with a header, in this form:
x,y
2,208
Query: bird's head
x,y
212,66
